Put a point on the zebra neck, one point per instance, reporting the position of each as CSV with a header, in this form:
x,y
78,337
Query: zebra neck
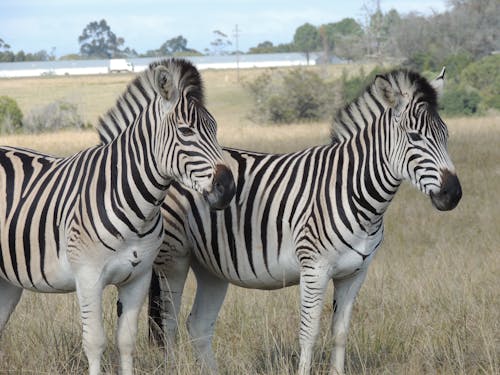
x,y
373,184
135,166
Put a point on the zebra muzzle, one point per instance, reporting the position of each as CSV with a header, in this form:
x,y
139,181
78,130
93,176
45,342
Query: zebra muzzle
x,y
223,188
450,194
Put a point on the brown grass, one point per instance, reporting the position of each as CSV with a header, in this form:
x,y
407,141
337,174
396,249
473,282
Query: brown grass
x,y
430,304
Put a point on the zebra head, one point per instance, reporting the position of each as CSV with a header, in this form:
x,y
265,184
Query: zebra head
x,y
187,133
419,136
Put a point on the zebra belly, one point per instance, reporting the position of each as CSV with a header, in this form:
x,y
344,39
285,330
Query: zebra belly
x,y
274,272
58,278
98,266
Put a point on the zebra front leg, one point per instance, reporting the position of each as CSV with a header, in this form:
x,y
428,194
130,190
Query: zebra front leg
x,y
210,294
131,297
9,298
89,291
313,283
345,292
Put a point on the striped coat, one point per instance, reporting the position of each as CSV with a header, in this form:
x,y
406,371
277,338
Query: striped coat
x,y
93,219
307,217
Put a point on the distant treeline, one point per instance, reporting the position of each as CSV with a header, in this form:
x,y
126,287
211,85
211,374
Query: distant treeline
x,y
468,28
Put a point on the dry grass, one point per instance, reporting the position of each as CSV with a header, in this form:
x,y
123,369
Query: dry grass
x,y
430,304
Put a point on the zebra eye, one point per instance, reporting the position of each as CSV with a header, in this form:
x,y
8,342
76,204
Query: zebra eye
x,y
186,131
415,137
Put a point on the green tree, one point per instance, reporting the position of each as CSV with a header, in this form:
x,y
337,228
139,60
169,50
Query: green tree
x,y
5,54
264,47
220,43
269,47
173,45
97,40
336,34
306,39
3,45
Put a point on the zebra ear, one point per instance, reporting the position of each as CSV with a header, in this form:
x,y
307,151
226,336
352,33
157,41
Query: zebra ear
x,y
164,83
438,82
386,91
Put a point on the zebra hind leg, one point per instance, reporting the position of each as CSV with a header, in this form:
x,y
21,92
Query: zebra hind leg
x,y
9,298
210,294
131,297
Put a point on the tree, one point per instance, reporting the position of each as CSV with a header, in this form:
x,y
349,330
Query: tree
x,y
333,34
173,46
220,43
472,25
97,40
306,39
3,46
177,44
263,47
5,54
268,47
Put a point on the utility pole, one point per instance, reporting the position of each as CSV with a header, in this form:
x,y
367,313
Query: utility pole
x,y
236,33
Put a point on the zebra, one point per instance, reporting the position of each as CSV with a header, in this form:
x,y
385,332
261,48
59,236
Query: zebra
x,y
93,219
305,217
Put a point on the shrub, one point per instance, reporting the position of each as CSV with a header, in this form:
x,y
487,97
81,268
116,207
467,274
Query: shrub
x,y
455,64
459,101
54,116
296,95
483,75
353,87
10,115
422,61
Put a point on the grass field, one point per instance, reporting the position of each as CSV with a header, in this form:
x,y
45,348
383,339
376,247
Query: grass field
x,y
430,304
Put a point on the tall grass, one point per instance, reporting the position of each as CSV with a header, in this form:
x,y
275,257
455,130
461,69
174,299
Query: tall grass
x,y
430,303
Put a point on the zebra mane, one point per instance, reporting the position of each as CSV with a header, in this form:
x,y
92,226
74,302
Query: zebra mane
x,y
142,90
355,115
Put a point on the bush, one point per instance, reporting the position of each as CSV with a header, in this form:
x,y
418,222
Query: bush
x,y
459,101
455,64
296,95
483,75
355,86
422,61
10,115
54,116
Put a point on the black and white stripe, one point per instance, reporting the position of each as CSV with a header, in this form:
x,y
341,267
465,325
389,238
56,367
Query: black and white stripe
x,y
306,217
93,219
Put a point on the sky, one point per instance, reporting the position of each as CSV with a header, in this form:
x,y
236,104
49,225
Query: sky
x,y
55,25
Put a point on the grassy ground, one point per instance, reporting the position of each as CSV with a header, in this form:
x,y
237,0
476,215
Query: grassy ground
x,y
430,304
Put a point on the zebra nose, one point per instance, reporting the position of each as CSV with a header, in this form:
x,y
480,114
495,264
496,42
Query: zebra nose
x,y
223,188
450,194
